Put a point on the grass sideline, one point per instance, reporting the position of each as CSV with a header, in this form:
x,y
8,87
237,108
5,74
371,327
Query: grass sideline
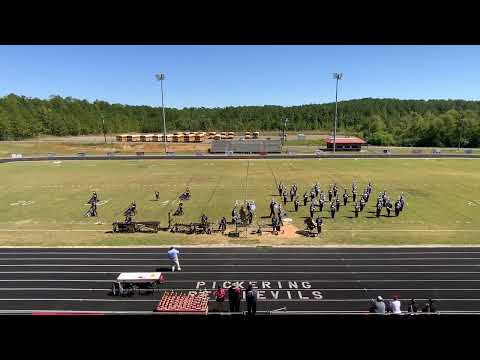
x,y
443,200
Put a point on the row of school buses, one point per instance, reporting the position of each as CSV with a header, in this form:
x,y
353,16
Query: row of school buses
x,y
187,137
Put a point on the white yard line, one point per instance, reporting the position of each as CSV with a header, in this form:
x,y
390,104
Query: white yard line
x,y
327,230
55,230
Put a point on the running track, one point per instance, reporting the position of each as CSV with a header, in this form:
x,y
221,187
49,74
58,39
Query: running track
x,y
299,279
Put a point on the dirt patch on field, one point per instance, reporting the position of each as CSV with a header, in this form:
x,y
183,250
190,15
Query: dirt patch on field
x,y
288,231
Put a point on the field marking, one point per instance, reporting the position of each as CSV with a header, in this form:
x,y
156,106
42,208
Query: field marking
x,y
328,230
51,230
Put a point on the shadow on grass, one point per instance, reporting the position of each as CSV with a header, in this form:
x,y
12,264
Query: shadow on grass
x,y
306,233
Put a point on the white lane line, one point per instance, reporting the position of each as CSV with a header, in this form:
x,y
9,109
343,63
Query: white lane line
x,y
239,259
243,265
363,300
222,280
307,312
253,272
261,289
184,255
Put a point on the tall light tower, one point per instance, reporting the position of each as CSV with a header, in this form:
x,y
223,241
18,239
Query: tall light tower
x,y
161,77
337,76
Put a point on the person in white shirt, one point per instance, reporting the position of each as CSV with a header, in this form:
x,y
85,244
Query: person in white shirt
x,y
173,256
396,306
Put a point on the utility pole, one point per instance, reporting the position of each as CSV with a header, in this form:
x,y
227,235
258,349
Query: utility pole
x,y
284,129
161,77
103,126
337,76
460,136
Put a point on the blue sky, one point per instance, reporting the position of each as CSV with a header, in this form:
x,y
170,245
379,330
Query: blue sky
x,y
213,76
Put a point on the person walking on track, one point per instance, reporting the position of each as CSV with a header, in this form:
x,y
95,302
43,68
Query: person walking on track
x,y
173,256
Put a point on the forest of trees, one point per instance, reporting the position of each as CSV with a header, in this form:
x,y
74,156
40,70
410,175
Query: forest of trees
x,y
380,121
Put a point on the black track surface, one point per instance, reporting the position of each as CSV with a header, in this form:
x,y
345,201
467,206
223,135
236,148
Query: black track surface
x,y
328,279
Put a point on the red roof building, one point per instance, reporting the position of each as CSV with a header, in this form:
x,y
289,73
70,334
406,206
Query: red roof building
x,y
345,143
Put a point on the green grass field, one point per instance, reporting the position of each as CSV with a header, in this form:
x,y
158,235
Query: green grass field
x,y
42,203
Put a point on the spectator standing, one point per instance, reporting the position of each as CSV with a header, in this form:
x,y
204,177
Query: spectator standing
x,y
251,298
220,298
396,305
412,306
430,307
234,298
378,306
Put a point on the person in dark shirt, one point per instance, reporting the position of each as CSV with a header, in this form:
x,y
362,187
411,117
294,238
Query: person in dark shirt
x,y
319,223
379,209
251,299
430,307
305,199
234,298
322,201
296,204
332,210
412,306
274,224
345,198
357,209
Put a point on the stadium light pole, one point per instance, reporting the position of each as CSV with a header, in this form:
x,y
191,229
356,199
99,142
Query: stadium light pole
x,y
337,76
161,77
460,136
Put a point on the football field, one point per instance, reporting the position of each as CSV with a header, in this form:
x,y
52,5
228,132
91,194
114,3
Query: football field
x,y
43,203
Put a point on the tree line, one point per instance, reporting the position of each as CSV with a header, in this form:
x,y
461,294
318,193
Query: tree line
x,y
380,121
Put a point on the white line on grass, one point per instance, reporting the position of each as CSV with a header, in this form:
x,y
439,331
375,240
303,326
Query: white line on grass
x,y
329,230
